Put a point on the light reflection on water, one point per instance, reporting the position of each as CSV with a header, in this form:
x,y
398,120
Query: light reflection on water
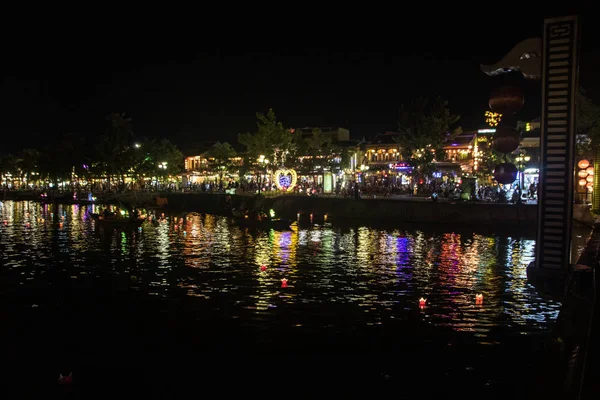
x,y
379,275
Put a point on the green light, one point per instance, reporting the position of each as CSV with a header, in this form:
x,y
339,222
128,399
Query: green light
x,y
272,213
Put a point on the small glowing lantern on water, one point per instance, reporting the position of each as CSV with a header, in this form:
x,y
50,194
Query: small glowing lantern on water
x,y
284,283
263,268
479,298
422,302
272,213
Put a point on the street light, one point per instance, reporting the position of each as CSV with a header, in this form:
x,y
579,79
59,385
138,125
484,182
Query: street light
x,y
520,159
263,161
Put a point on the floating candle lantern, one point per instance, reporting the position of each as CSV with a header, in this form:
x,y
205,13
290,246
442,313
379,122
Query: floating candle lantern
x,y
422,302
263,268
284,283
479,298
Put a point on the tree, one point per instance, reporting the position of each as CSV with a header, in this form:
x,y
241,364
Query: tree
x,y
588,124
9,167
271,140
220,155
424,129
112,146
163,158
60,159
317,149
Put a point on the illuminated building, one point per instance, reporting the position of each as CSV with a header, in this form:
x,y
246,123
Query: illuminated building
x,y
382,160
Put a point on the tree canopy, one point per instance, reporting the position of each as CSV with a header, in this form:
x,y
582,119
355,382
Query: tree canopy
x,y
424,129
588,124
271,139
220,155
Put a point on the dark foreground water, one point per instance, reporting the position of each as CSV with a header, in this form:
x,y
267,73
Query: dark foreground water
x,y
177,308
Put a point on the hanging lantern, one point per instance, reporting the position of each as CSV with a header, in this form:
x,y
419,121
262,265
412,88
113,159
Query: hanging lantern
x,y
505,173
582,173
506,100
583,164
590,178
590,170
589,185
582,182
506,139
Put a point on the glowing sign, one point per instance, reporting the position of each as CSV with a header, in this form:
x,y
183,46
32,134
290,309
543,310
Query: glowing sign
x,y
487,130
404,166
285,179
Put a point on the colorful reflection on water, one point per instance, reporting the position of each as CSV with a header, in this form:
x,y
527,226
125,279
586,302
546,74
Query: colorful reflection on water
x,y
379,275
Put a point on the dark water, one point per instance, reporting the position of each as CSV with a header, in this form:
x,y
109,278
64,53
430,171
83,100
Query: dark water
x,y
180,308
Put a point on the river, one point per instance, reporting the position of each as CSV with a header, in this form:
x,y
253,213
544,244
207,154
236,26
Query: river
x,y
190,302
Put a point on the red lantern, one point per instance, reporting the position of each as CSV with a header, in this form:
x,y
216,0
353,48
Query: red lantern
x,y
284,283
505,173
506,100
422,302
263,268
506,139
479,299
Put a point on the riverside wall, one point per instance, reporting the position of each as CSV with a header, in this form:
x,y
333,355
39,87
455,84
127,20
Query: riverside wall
x,y
411,211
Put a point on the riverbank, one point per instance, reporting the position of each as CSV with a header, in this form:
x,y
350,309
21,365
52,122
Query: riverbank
x,y
398,210
340,209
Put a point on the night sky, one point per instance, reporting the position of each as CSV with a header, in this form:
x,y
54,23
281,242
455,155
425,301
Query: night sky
x,y
207,80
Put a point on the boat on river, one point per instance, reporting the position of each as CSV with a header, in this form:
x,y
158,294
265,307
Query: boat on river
x,y
260,220
118,222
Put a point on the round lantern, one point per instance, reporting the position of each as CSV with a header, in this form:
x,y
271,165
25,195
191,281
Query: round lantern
x,y
505,173
583,164
506,139
582,173
590,170
590,178
506,100
590,185
582,182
